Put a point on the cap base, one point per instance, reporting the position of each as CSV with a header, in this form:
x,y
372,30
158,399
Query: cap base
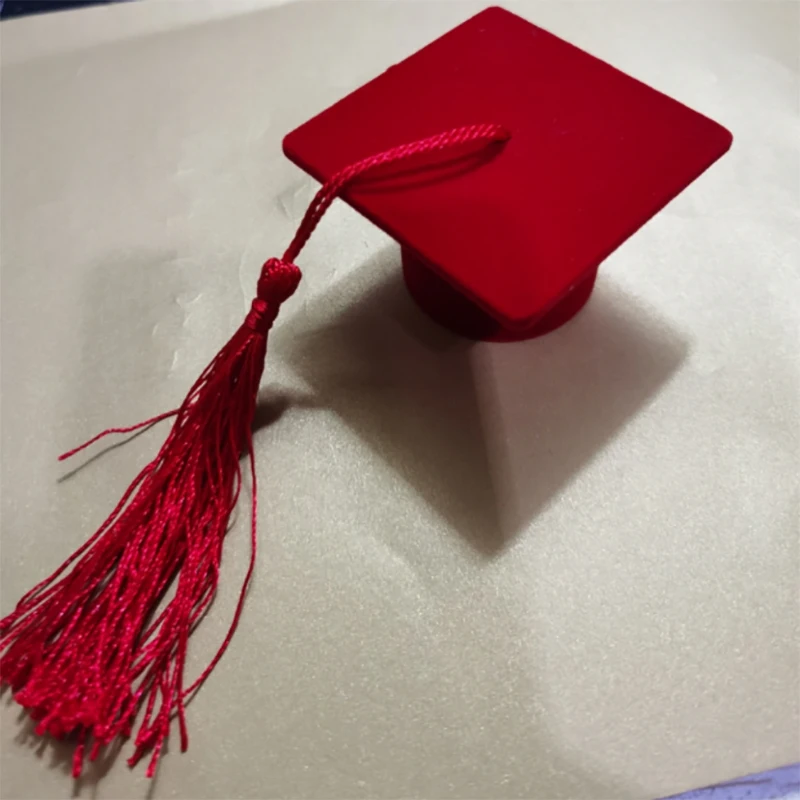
x,y
451,309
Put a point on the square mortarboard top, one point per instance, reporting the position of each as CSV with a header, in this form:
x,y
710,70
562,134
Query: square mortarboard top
x,y
511,248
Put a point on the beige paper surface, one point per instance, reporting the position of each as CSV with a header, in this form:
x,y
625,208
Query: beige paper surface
x,y
556,569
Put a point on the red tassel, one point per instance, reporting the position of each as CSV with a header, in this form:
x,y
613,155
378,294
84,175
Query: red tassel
x,y
77,647
85,649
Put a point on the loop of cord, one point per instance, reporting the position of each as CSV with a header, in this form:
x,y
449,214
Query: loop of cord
x,y
91,646
487,133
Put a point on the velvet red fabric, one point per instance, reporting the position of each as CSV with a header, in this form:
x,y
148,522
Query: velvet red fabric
x,y
594,153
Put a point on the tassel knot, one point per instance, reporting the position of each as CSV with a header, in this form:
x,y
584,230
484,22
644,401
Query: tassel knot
x,y
278,281
276,284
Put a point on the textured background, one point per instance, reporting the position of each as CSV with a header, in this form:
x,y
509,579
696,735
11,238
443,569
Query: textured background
x,y
561,568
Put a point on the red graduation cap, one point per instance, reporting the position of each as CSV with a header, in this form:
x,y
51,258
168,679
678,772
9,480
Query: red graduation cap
x,y
511,249
528,161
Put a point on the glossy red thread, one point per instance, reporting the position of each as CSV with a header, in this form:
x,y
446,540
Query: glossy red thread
x,y
86,649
